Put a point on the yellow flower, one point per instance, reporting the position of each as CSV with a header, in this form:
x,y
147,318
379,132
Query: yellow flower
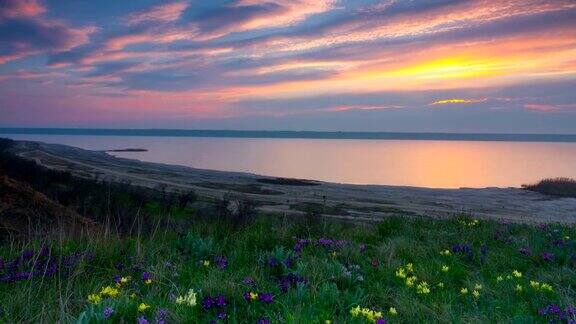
x,y
253,295
518,288
464,291
143,307
422,288
499,278
476,294
393,311
445,268
410,267
355,311
206,263
334,254
148,281
517,274
400,273
327,322
133,295
508,277
445,252
440,285
94,299
547,287
535,284
109,292
189,298
124,280
410,281
478,286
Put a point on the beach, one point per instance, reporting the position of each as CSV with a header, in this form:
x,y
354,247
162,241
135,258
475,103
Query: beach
x,y
289,197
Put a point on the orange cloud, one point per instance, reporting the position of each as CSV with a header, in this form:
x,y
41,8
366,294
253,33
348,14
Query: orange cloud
x,y
457,101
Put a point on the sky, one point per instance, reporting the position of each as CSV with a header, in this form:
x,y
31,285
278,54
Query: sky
x,y
496,66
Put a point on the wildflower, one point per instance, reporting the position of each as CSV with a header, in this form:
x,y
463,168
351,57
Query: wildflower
x,y
206,263
220,301
478,286
221,262
147,277
423,288
464,291
161,315
249,282
221,315
133,295
517,274
108,311
263,320
518,288
508,277
476,294
393,311
333,254
327,322
142,320
109,292
546,287
124,280
445,268
410,267
410,281
207,302
499,278
362,248
547,256
445,252
355,311
267,298
189,298
374,263
400,273
143,307
525,250
380,321
250,296
535,284
94,299
440,285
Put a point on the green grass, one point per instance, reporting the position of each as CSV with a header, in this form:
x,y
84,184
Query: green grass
x,y
174,260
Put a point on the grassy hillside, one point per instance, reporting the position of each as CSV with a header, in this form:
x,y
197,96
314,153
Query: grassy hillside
x,y
161,257
283,271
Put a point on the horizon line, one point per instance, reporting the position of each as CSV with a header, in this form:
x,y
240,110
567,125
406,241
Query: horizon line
x,y
304,134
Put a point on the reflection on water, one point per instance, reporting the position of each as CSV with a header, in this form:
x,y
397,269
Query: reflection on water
x,y
448,164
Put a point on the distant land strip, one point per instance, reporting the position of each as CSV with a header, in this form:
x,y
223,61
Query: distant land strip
x,y
296,134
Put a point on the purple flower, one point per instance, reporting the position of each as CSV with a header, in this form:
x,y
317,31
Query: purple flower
x,y
161,315
108,311
362,248
249,282
247,296
547,256
207,302
142,320
380,321
273,262
117,279
525,250
146,276
267,298
263,320
221,262
220,301
222,315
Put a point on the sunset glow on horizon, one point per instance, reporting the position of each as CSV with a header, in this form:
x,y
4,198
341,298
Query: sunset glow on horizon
x,y
390,65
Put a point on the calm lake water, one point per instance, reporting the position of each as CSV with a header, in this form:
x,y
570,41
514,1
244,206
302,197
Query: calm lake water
x,y
424,163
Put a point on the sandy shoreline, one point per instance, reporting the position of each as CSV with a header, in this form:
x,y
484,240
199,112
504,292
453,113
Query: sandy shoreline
x,y
361,202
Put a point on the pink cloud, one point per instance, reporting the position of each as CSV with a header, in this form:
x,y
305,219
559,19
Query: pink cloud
x,y
20,8
161,13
